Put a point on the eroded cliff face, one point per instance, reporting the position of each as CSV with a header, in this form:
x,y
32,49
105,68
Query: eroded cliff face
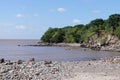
x,y
93,40
113,41
104,42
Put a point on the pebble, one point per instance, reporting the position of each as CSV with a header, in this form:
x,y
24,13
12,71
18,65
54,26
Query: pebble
x,y
53,70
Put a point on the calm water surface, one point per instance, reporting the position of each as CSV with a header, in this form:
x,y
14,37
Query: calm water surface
x,y
10,50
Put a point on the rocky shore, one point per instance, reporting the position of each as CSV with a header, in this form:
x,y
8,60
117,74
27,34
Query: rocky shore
x,y
104,69
105,43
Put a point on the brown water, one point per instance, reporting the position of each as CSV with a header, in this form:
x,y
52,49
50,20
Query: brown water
x,y
10,50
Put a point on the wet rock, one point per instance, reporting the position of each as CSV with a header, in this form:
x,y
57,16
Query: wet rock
x,y
89,63
84,45
8,62
96,48
20,61
47,62
2,60
32,60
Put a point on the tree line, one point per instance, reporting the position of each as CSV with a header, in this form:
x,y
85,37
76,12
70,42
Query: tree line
x,y
81,33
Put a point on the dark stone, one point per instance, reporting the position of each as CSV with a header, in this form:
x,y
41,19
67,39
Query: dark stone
x,y
97,48
94,59
2,60
19,45
47,62
32,60
83,45
19,61
9,62
89,63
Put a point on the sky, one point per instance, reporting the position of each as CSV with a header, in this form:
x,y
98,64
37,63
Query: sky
x,y
29,19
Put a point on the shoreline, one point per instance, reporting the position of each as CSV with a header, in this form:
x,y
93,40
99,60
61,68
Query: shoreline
x,y
96,48
104,69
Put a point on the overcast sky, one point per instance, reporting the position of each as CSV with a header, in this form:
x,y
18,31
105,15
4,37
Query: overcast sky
x,y
29,19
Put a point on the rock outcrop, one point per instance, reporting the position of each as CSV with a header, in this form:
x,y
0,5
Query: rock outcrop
x,y
103,42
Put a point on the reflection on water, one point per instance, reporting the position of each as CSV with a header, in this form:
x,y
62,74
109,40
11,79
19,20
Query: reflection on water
x,y
9,49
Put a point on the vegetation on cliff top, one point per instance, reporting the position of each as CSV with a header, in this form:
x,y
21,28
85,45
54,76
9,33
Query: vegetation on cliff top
x,y
82,33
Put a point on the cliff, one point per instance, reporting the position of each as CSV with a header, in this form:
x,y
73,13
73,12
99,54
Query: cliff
x,y
104,42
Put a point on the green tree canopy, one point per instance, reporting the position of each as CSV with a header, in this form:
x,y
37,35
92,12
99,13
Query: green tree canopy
x,y
114,21
82,33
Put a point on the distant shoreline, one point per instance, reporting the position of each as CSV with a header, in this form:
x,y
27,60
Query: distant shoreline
x,y
56,44
81,45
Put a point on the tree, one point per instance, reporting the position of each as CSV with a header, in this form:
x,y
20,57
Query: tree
x,y
97,22
58,36
48,35
82,33
117,32
114,20
79,26
69,36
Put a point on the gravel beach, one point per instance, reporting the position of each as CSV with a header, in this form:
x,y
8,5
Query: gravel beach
x,y
105,69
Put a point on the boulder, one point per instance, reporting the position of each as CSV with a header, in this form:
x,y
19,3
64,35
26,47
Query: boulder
x,y
2,60
20,61
47,62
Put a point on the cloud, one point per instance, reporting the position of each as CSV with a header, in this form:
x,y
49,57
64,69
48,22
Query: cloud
x,y
6,25
61,10
58,10
96,11
20,27
19,16
36,15
76,21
